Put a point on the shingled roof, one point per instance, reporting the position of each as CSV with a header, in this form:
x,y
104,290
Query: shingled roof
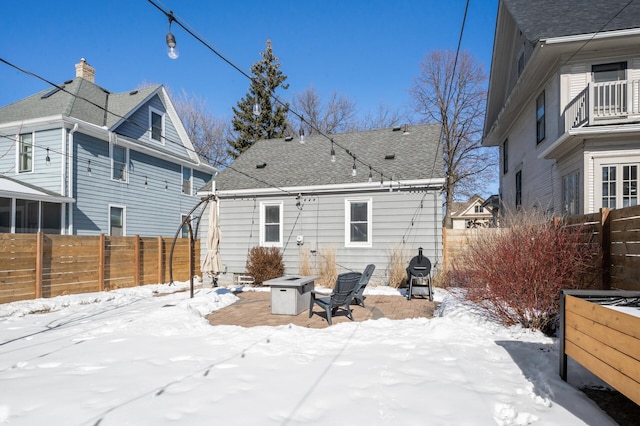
x,y
400,155
80,99
542,19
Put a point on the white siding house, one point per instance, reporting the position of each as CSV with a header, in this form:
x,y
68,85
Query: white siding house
x,y
564,104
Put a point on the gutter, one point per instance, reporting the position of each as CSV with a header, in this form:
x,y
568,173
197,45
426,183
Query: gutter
x,y
592,36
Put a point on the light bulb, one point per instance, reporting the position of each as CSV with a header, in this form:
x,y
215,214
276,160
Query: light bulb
x,y
48,159
172,49
353,170
333,156
301,135
257,110
370,175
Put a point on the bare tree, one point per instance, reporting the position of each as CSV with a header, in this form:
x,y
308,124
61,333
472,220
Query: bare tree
x,y
208,134
381,118
337,115
451,91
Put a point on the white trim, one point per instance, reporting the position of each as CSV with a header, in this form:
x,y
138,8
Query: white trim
x,y
611,159
124,218
152,111
347,222
591,36
19,153
264,204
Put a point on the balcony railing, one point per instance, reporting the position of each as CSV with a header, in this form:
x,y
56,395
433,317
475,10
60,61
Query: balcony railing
x,y
610,102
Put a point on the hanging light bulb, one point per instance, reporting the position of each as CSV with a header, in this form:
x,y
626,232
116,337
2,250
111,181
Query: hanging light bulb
x,y
145,182
333,153
301,134
172,48
48,159
257,109
89,167
381,181
370,175
353,170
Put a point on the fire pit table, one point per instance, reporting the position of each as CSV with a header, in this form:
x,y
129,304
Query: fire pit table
x,y
290,294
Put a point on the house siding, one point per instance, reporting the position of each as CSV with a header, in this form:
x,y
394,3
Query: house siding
x,y
403,220
150,211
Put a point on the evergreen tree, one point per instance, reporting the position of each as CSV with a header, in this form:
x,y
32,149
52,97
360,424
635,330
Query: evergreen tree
x,y
271,122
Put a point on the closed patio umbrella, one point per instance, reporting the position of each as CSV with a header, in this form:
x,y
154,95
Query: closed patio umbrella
x,y
212,264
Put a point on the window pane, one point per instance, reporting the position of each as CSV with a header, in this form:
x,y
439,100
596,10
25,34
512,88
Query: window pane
x,y
272,233
358,212
186,180
185,228
5,214
156,126
51,218
117,222
119,163
272,214
359,232
26,148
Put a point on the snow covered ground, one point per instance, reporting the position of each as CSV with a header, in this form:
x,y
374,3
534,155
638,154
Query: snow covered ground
x,y
147,356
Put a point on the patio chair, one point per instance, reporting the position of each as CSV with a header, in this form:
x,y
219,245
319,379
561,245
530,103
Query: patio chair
x,y
358,297
342,294
419,276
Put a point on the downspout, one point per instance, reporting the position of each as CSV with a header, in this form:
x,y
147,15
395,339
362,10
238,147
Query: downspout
x,y
71,177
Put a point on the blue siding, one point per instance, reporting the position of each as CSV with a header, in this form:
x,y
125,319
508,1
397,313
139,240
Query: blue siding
x,y
151,210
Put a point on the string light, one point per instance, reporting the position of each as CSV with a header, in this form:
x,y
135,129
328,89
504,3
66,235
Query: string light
x,y
48,159
172,48
370,175
257,109
145,182
301,130
353,170
89,167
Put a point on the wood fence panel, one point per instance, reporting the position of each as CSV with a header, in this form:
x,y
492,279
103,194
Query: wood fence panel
x,y
149,261
17,267
605,341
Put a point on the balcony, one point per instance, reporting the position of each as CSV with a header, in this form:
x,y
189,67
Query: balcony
x,y
612,102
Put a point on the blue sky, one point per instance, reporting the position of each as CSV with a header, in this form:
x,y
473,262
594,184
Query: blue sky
x,y
367,50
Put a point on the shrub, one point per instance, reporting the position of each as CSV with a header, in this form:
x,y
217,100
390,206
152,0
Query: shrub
x,y
265,263
515,274
304,265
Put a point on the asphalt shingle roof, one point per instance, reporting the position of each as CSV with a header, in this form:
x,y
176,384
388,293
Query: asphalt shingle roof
x,y
290,163
543,19
80,99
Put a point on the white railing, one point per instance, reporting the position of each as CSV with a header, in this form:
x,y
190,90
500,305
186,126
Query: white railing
x,y
599,103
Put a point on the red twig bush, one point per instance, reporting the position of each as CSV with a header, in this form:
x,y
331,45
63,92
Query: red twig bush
x,y
265,263
515,274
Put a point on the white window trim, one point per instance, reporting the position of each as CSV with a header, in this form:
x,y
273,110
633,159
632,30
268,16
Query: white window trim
x,y
264,243
19,153
162,130
608,160
347,223
126,163
190,181
124,218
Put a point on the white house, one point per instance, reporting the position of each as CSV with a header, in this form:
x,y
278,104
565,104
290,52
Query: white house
x,y
473,213
564,104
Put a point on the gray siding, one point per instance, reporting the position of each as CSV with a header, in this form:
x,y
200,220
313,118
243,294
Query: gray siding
x,y
400,220
151,210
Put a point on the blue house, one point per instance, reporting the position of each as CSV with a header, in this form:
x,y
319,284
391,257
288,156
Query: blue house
x,y
80,160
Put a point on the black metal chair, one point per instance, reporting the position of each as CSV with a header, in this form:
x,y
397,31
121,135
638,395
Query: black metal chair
x,y
358,297
342,295
419,276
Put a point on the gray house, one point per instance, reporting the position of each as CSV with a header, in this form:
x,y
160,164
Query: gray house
x,y
313,205
81,160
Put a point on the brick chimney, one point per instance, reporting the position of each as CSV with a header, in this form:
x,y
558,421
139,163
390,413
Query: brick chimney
x,y
86,71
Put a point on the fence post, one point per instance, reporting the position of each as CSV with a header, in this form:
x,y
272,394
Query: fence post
x,y
101,262
137,256
160,261
605,247
39,262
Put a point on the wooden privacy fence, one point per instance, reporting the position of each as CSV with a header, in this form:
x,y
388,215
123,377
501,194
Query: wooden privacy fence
x,y
39,265
454,241
617,234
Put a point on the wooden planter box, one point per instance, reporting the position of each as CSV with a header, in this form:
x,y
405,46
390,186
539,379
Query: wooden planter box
x,y
604,340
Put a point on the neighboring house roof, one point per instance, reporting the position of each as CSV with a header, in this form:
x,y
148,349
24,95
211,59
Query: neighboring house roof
x,y
11,188
545,19
400,155
80,99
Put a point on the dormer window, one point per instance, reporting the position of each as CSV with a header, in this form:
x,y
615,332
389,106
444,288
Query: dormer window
x,y
156,124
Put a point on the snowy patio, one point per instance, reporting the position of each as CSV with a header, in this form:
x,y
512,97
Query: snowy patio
x,y
129,357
